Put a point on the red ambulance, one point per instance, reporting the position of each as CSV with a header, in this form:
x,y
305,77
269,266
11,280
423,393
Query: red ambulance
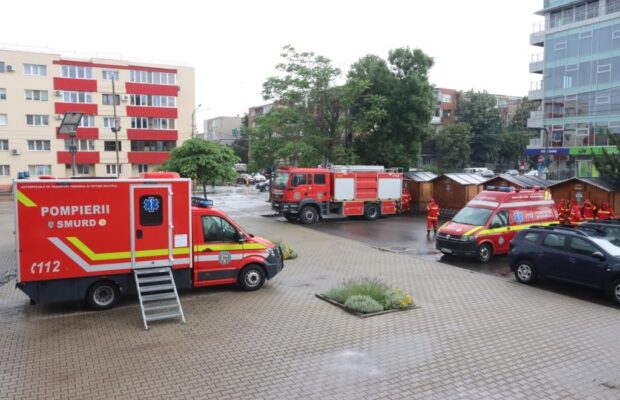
x,y
95,239
490,220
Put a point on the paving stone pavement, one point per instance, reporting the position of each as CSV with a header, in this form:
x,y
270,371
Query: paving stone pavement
x,y
474,337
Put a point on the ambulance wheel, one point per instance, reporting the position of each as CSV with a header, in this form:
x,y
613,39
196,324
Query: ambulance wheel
x,y
251,277
102,295
371,212
308,215
485,253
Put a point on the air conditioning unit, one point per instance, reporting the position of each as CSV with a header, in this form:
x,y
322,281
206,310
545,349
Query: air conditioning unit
x,y
9,68
15,152
125,97
59,117
58,93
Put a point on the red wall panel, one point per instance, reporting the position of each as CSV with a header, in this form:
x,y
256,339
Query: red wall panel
x,y
145,88
151,134
81,133
80,85
61,108
147,157
161,112
82,157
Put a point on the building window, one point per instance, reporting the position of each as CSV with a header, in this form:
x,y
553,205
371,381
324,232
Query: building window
x,y
38,170
3,119
152,123
87,121
110,169
2,66
37,120
36,95
108,145
81,144
5,170
144,100
83,169
35,69
152,145
109,99
2,94
613,6
77,97
109,75
156,78
77,72
4,145
143,168
446,98
38,145
108,122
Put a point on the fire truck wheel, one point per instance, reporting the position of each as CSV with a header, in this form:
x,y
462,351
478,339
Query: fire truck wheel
x,y
485,252
308,215
371,212
251,277
102,295
290,218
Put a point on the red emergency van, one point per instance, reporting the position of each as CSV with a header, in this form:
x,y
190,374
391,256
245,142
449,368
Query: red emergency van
x,y
94,239
490,220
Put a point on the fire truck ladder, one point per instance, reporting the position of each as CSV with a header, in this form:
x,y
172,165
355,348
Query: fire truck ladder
x,y
158,294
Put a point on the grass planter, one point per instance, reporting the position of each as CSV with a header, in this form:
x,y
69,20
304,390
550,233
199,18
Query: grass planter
x,y
367,297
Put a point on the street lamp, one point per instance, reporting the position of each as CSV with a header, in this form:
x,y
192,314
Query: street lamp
x,y
116,128
69,125
194,120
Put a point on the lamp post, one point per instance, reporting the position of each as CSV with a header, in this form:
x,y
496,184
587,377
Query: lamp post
x,y
194,120
116,128
69,124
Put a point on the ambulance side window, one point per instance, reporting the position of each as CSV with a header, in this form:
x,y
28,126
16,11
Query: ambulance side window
x,y
216,229
151,210
500,219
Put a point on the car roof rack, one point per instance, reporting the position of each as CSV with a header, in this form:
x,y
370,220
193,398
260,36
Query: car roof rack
x,y
578,229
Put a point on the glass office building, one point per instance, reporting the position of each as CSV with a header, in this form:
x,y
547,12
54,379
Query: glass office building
x,y
580,85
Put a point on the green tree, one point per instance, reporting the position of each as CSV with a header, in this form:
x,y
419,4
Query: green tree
x,y
608,163
241,144
392,115
512,149
519,121
452,145
204,162
479,110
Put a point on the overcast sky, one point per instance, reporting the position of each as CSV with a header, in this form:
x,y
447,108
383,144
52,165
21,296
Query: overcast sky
x,y
234,45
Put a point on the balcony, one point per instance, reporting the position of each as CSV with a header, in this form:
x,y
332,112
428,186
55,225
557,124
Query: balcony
x,y
81,157
537,63
535,120
536,91
537,37
147,157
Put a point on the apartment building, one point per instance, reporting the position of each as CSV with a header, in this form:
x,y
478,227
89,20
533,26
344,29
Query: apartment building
x,y
580,87
224,130
153,107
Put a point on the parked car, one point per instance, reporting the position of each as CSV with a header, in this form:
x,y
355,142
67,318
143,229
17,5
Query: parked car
x,y
487,173
263,186
474,170
532,172
512,172
580,255
609,226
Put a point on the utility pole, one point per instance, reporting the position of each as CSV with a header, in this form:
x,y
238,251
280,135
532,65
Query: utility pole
x,y
115,128
194,120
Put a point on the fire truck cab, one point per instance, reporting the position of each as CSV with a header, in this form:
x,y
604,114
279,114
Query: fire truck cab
x,y
487,224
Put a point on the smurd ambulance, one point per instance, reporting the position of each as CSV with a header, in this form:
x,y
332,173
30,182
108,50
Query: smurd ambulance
x,y
95,239
490,220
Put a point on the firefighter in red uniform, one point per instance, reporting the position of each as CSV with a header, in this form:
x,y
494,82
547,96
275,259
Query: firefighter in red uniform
x,y
575,213
563,211
588,211
605,212
432,217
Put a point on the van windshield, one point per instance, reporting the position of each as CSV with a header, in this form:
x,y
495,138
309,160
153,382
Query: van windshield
x,y
472,216
281,180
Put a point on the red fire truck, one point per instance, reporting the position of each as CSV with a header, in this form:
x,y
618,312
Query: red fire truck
x,y
94,239
308,194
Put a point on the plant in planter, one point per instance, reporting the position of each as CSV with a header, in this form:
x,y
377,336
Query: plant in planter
x,y
287,252
368,296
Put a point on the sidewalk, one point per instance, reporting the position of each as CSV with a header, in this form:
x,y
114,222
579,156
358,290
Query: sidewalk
x,y
474,337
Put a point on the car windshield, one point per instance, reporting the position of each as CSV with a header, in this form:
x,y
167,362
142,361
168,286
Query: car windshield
x,y
472,216
281,180
610,244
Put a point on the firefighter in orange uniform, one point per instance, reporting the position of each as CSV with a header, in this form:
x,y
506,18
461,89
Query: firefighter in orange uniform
x,y
432,217
605,212
588,211
563,211
574,218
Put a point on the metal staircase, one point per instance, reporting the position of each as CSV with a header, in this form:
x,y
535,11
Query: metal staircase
x,y
158,294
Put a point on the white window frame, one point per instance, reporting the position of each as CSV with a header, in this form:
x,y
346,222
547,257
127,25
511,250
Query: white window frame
x,y
5,170
35,69
77,97
81,144
39,145
40,169
32,94
4,144
110,75
104,96
76,72
4,120
560,46
601,99
38,120
110,169
87,121
585,35
2,93
109,122
143,168
80,169
603,68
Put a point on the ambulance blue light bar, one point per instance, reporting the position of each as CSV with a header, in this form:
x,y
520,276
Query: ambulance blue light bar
x,y
202,203
500,188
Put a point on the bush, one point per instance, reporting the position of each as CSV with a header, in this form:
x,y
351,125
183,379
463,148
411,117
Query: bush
x,y
373,288
397,298
287,252
362,303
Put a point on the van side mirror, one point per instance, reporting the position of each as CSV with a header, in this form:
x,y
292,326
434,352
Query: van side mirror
x,y
598,255
239,237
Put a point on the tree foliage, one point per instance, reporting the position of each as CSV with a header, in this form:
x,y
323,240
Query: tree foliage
x,y
519,121
452,145
479,110
608,163
203,161
392,116
241,145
